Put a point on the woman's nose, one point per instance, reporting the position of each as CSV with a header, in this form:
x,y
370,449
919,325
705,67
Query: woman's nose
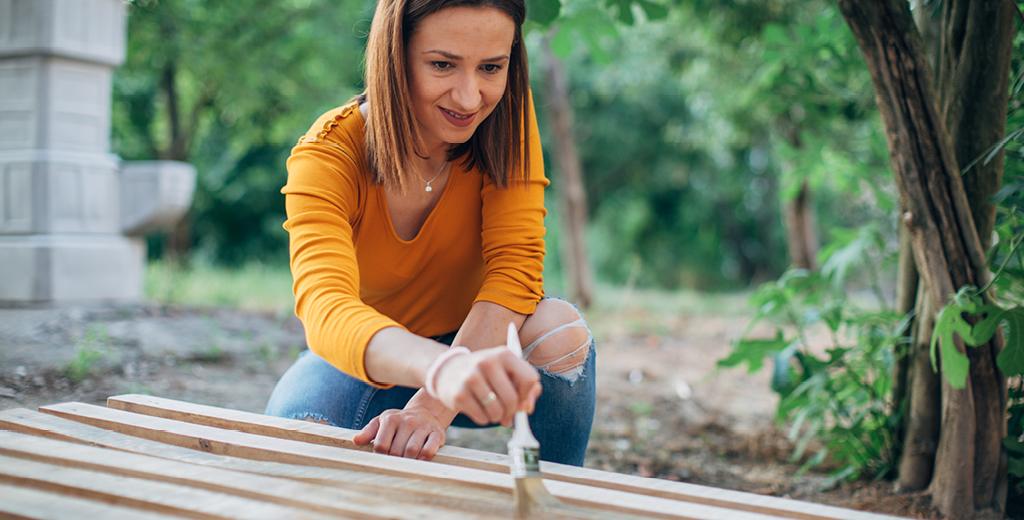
x,y
466,93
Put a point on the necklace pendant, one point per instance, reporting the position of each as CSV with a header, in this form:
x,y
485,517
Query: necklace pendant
x,y
428,189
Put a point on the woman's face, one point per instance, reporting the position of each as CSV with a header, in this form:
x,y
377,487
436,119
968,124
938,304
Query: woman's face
x,y
458,62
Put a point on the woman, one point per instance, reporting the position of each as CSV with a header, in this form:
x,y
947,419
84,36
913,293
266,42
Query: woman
x,y
416,221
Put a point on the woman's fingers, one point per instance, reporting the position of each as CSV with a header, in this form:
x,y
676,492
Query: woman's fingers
x,y
367,433
382,442
403,432
434,442
524,375
414,445
470,406
506,394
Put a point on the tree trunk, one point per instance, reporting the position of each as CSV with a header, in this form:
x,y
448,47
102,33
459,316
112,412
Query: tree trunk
x,y
803,244
973,77
572,194
917,457
178,241
916,390
798,212
947,249
906,297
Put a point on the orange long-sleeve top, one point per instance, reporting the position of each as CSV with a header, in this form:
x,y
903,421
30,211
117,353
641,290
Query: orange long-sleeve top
x,y
354,276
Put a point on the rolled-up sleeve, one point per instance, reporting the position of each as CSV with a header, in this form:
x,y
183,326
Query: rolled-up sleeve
x,y
321,198
513,234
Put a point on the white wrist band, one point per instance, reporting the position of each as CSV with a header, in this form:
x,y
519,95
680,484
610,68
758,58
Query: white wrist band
x,y
435,367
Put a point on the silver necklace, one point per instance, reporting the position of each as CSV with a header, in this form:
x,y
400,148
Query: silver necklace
x,y
430,188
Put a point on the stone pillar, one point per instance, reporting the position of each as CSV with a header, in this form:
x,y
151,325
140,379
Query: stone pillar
x,y
60,188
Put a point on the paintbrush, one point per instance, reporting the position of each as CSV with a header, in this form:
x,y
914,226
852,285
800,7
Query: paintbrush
x,y
532,498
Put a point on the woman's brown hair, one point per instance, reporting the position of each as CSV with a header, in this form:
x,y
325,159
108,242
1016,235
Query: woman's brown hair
x,y
498,146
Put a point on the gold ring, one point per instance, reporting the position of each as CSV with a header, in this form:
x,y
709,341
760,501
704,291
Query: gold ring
x,y
491,396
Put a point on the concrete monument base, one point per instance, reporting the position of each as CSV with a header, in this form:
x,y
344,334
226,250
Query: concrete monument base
x,y
70,268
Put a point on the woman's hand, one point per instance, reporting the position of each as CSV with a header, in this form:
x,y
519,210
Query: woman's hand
x,y
489,385
413,432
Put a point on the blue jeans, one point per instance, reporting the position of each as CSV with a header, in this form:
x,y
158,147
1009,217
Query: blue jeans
x,y
313,389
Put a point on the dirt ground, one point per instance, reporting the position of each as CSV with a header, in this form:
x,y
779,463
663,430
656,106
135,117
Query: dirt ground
x,y
663,410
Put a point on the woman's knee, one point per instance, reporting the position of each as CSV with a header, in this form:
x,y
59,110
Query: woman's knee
x,y
313,390
557,339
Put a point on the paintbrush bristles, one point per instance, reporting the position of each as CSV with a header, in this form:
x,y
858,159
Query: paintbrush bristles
x,y
524,451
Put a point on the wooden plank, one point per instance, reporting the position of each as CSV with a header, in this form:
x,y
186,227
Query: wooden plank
x,y
240,444
292,493
310,432
50,426
140,493
23,502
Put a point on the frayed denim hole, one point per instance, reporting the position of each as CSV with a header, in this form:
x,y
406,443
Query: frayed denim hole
x,y
313,418
576,373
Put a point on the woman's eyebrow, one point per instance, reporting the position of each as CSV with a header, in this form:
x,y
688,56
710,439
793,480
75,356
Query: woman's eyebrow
x,y
456,57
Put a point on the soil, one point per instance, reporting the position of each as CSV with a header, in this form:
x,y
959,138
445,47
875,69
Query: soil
x,y
664,410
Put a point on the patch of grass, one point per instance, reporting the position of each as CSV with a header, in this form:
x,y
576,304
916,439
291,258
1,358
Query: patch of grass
x,y
212,354
641,408
610,298
267,352
137,388
89,351
253,286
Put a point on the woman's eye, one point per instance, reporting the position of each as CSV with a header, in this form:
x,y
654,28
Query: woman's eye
x,y
441,65
491,68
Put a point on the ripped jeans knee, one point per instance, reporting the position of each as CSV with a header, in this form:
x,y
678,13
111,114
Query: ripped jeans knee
x,y
563,341
313,418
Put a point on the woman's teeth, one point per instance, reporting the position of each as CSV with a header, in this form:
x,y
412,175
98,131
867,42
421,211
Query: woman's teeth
x,y
455,114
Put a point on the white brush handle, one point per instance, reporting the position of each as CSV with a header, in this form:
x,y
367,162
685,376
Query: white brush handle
x,y
513,341
523,435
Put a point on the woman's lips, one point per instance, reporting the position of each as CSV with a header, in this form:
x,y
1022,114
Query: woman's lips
x,y
457,119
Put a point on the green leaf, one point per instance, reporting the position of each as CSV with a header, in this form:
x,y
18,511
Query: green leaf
x,y
983,331
563,41
1011,359
654,11
954,363
753,352
1015,467
624,9
543,11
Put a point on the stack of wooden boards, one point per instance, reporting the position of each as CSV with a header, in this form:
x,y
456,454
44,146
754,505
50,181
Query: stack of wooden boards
x,y
147,457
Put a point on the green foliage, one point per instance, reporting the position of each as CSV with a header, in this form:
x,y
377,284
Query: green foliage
x,y
543,11
89,351
832,357
253,286
1009,287
754,351
228,87
682,126
952,320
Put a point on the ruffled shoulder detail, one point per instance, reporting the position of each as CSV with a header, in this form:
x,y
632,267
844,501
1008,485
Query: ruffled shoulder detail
x,y
327,123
